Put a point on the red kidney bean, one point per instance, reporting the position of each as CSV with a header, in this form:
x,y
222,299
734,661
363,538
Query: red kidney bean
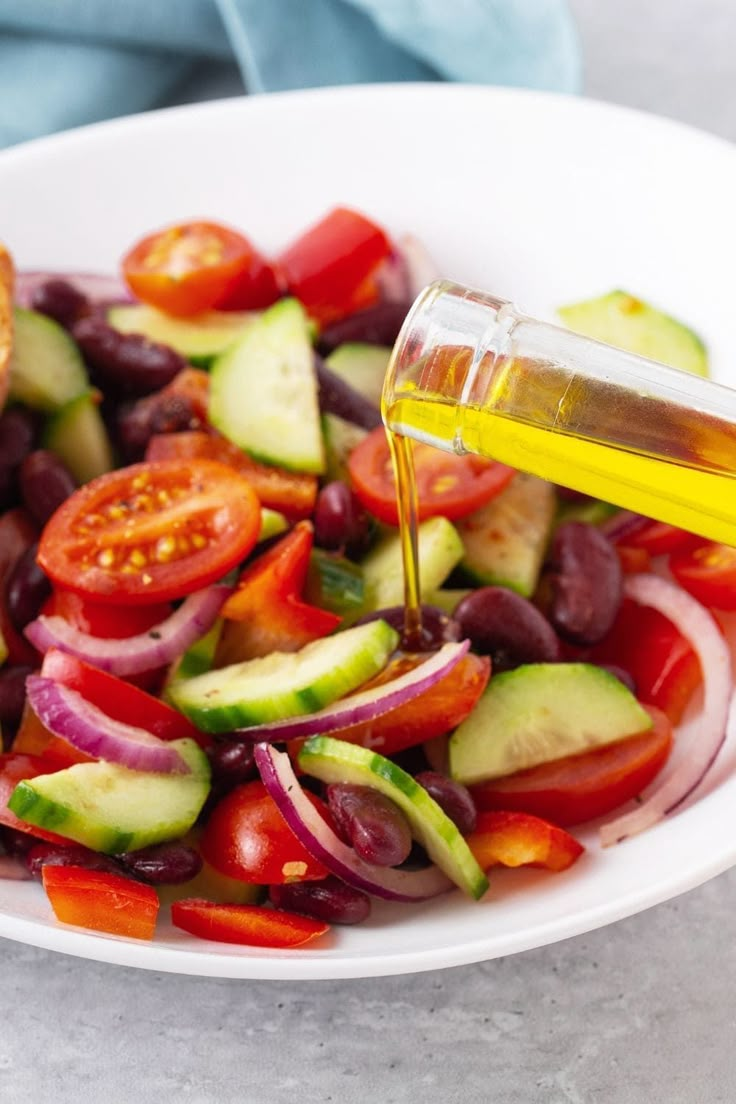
x,y
377,325
437,627
45,482
12,694
340,522
453,798
27,589
126,364
136,423
582,583
17,435
163,863
232,762
502,624
72,854
370,822
61,301
16,843
336,396
329,900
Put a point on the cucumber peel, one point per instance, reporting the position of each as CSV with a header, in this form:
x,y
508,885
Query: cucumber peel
x,y
200,339
333,760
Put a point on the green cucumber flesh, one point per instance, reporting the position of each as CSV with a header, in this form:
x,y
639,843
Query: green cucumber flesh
x,y
440,550
504,542
200,339
78,436
334,583
263,391
46,367
623,320
282,684
273,523
540,712
361,365
333,760
340,437
112,809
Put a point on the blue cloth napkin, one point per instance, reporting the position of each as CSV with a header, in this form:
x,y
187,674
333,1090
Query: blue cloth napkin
x,y
68,62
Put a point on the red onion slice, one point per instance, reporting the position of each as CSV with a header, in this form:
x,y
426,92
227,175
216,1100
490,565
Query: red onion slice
x,y
154,648
366,705
68,715
624,525
97,286
421,268
308,826
699,628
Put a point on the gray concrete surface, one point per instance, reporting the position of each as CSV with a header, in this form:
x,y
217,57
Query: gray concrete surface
x,y
642,1012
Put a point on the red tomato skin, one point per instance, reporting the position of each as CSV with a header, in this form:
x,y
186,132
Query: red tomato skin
x,y
508,838
292,493
327,265
100,619
708,572
475,481
581,787
190,267
100,901
123,514
15,768
247,838
250,925
258,287
658,539
266,613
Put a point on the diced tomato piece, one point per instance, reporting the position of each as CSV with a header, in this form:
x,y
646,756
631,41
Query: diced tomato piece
x,y
518,839
327,266
663,665
292,493
247,838
17,534
708,572
658,538
101,901
433,713
251,925
266,613
448,485
260,285
580,787
633,560
15,768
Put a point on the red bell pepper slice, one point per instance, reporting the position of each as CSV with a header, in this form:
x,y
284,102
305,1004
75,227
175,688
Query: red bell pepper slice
x,y
252,925
518,839
328,267
101,901
266,613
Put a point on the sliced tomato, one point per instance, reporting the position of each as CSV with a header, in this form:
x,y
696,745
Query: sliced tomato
x,y
708,573
194,266
101,901
102,619
17,534
328,266
260,285
251,925
433,713
292,493
151,532
633,560
518,839
658,538
247,838
266,613
447,485
15,768
662,663
581,787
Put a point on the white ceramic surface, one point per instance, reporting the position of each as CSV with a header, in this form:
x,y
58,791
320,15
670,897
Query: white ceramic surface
x,y
538,198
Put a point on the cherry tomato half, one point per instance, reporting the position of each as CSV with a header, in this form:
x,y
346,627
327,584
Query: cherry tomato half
x,y
447,485
194,266
151,532
708,573
658,538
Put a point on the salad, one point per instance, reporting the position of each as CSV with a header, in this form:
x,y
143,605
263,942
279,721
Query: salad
x,y
205,703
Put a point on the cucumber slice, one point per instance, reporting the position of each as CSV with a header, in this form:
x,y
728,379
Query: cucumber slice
x,y
362,366
272,524
334,583
594,512
340,437
540,712
110,808
337,761
197,659
46,367
621,319
440,550
285,684
77,434
505,541
447,600
199,339
263,392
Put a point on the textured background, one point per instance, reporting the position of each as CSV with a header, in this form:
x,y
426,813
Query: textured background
x,y
637,1013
